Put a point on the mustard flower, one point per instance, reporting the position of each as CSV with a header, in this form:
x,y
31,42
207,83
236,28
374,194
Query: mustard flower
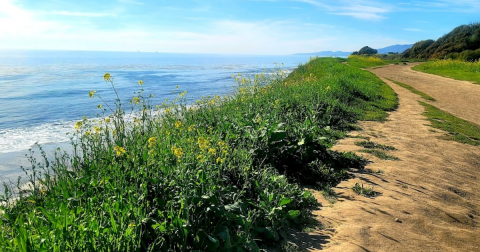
x,y
119,150
78,125
107,77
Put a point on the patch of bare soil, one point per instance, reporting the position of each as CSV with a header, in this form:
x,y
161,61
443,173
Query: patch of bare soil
x,y
429,200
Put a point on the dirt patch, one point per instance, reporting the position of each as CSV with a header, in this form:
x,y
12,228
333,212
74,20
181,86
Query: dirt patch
x,y
430,199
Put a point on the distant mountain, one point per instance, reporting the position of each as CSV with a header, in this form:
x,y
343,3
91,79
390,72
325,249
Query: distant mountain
x,y
461,43
394,49
327,54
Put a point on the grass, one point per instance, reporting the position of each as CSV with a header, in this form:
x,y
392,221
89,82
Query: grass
x,y
458,129
329,194
459,70
366,61
224,174
373,145
413,90
380,154
365,191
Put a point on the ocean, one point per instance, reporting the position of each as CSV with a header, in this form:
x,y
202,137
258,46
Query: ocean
x,y
43,93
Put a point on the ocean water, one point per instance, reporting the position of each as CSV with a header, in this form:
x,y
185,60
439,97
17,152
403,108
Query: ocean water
x,y
43,93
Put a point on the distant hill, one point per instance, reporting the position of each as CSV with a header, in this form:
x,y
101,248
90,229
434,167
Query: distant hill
x,y
462,43
385,50
394,49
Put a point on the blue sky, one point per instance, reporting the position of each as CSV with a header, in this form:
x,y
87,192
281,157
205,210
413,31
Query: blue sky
x,y
227,26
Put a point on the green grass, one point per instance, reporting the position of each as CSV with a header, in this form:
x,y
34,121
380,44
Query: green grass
x,y
225,174
380,154
413,90
365,191
366,61
459,70
458,129
373,145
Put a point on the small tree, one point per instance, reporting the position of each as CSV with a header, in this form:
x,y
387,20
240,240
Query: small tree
x,y
367,50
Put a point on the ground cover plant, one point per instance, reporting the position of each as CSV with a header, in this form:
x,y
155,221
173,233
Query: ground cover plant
x,y
224,174
456,69
373,145
413,90
366,61
380,154
458,129
365,191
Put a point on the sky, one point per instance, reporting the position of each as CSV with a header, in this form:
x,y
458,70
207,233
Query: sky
x,y
273,27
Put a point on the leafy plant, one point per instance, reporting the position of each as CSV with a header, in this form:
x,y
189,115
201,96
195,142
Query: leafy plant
x,y
365,191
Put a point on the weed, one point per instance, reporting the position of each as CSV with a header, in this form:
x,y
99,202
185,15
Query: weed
x,y
329,194
458,129
360,137
373,145
413,90
370,171
380,154
361,190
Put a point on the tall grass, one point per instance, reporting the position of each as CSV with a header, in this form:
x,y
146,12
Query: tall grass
x,y
365,61
456,69
224,174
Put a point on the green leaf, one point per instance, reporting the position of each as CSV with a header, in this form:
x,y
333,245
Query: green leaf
x,y
294,213
285,201
302,141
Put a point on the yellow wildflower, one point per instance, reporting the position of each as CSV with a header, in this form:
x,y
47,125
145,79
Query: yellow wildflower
x,y
191,128
97,129
212,151
177,151
78,125
119,150
203,143
92,93
152,141
140,82
107,120
107,77
219,160
135,100
99,106
178,124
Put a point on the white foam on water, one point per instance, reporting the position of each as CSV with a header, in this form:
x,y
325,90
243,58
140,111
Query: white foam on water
x,y
20,139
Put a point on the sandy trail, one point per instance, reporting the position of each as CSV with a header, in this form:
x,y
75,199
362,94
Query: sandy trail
x,y
430,199
460,98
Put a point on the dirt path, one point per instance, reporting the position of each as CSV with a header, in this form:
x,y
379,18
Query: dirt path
x,y
460,98
430,199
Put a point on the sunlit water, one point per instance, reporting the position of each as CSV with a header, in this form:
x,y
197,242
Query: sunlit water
x,y
43,93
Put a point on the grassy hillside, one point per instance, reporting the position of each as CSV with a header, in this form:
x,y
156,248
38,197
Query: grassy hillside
x,y
459,70
225,174
461,43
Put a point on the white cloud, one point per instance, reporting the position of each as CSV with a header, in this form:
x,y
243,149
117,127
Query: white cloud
x,y
366,10
19,23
